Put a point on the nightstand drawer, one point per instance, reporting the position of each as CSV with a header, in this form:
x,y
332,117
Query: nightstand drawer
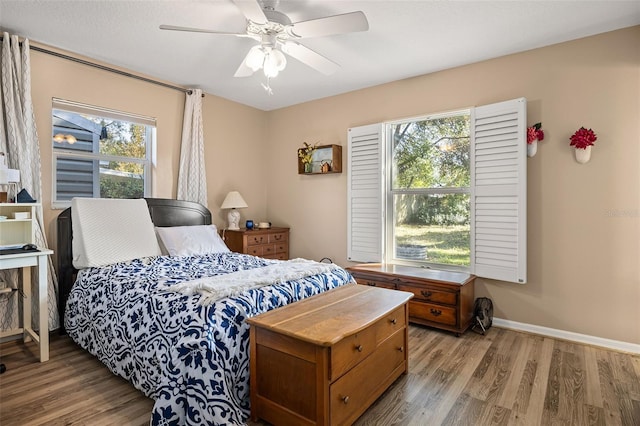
x,y
268,249
253,240
278,256
431,295
255,250
435,313
280,237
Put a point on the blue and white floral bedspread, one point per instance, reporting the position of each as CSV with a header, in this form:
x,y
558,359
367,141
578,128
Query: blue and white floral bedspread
x,y
193,360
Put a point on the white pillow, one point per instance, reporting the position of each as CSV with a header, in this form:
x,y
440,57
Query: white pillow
x,y
189,240
107,231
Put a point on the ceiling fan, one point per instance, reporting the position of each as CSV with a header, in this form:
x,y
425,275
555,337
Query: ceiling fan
x,y
277,34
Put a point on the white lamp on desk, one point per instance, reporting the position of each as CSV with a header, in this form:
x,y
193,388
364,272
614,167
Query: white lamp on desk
x,y
8,177
233,201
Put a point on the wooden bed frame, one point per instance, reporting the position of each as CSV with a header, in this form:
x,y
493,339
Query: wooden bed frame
x,y
164,212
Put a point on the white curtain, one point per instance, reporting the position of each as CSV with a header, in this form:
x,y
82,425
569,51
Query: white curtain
x,y
192,177
19,140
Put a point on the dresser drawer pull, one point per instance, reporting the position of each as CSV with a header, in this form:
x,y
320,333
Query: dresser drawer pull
x,y
435,312
359,348
401,349
371,283
345,399
426,294
277,237
393,321
257,240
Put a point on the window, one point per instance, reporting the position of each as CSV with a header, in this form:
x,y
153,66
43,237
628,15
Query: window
x,y
428,197
445,191
99,153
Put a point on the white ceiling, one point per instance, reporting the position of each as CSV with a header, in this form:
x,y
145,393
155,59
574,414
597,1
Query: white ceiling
x,y
405,39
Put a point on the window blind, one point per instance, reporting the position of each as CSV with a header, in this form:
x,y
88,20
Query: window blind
x,y
364,193
499,188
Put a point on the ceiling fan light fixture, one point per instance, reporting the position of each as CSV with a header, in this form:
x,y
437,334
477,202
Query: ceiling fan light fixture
x,y
274,62
255,58
270,70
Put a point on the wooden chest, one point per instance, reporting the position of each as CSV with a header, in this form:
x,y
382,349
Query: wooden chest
x,y
271,243
326,359
442,299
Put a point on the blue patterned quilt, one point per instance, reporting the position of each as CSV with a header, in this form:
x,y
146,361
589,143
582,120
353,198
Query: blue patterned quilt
x,y
193,360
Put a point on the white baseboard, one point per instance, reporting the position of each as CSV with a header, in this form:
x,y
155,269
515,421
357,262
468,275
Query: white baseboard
x,y
568,335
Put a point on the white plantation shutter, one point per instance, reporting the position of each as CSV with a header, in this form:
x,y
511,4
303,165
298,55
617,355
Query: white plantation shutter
x,y
365,162
499,191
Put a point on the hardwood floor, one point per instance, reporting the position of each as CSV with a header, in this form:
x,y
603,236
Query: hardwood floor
x,y
503,378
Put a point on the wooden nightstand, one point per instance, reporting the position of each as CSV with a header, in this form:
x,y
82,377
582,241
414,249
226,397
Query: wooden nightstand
x,y
270,243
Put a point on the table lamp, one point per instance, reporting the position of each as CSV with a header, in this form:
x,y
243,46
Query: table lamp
x,y
233,201
8,177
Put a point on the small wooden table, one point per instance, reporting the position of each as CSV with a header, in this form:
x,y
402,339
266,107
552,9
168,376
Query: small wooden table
x,y
26,261
326,359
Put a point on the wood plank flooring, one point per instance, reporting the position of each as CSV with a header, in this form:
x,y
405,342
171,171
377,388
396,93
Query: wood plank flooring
x,y
503,378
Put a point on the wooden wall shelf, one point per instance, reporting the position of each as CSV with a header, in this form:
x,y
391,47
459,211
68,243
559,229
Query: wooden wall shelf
x,y
331,154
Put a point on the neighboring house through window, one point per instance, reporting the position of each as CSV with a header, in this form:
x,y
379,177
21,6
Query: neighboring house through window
x,y
442,191
99,153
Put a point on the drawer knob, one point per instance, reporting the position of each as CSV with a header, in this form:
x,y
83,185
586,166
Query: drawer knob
x,y
393,321
359,348
426,293
371,283
435,312
401,349
345,399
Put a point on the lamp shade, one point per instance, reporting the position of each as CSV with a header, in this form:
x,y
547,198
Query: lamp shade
x,y
14,175
4,176
233,200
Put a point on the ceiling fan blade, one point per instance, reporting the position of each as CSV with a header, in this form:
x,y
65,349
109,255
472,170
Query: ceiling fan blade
x,y
309,57
201,30
252,10
330,25
243,70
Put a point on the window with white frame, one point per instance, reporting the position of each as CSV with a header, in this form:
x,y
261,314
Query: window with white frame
x,y
99,153
428,196
442,191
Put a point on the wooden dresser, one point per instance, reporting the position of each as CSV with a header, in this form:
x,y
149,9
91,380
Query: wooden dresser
x,y
442,299
326,359
271,243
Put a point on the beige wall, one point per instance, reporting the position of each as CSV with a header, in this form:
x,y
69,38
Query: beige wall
x,y
583,236
583,220
233,132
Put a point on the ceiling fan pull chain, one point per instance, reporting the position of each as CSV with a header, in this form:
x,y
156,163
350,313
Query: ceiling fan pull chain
x,y
267,86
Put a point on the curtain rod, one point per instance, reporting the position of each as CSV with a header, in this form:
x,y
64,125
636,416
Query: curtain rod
x,y
105,68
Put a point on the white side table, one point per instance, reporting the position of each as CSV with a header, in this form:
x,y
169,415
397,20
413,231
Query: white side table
x,y
26,261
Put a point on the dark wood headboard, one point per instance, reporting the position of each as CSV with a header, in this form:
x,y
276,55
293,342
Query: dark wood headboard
x,y
164,212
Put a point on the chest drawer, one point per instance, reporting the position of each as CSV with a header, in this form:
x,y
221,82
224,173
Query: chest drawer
x,y
351,350
393,322
375,283
354,388
431,295
436,313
